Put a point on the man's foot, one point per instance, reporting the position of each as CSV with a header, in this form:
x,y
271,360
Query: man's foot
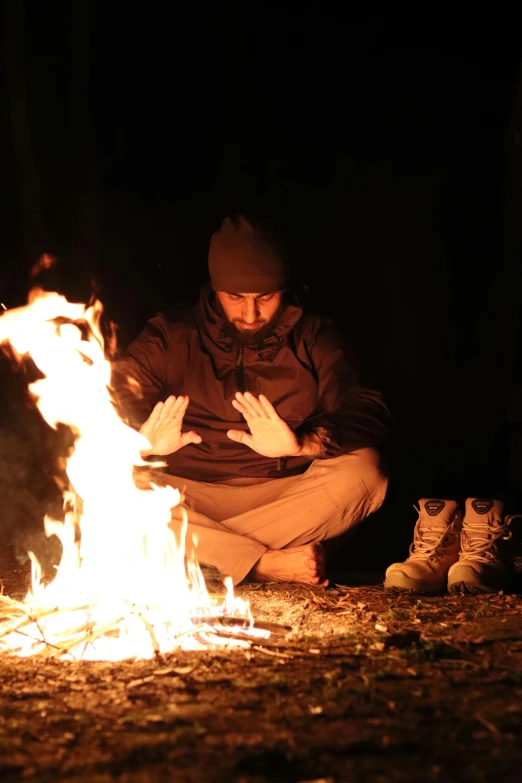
x,y
485,562
303,564
435,548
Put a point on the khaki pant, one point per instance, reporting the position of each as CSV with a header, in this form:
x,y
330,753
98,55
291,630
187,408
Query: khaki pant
x,y
234,523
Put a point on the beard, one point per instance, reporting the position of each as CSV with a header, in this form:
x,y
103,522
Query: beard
x,y
253,338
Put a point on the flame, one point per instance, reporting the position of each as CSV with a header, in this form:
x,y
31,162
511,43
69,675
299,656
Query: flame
x,y
128,584
44,262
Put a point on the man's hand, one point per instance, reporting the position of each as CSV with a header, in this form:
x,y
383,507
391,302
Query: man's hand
x,y
269,434
163,427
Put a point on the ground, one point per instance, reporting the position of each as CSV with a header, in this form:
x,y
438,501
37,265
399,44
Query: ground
x,y
367,686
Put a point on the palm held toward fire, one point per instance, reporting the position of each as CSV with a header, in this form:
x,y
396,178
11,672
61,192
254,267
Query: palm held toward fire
x,y
269,435
163,427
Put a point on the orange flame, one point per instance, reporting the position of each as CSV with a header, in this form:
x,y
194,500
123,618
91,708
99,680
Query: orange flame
x,y
44,262
129,585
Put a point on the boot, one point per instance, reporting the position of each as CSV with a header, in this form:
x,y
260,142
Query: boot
x,y
485,564
434,549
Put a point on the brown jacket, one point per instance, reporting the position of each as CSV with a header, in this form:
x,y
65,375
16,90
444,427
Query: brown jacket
x,y
302,369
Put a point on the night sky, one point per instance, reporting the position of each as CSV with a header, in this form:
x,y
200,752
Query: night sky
x,y
382,146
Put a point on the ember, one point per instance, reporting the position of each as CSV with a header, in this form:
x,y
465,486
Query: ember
x,y
128,584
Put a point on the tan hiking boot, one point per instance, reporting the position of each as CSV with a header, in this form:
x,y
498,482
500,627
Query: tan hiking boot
x,y
434,549
484,564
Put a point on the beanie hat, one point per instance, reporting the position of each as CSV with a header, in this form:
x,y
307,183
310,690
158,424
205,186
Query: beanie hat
x,y
244,259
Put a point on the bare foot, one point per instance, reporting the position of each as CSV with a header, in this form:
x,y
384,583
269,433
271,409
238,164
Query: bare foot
x,y
304,564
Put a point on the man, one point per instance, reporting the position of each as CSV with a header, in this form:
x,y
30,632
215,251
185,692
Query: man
x,y
259,416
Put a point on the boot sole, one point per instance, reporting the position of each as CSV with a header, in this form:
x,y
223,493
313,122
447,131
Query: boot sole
x,y
466,581
405,584
467,588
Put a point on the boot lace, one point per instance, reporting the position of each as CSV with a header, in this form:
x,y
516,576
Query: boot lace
x,y
430,541
479,541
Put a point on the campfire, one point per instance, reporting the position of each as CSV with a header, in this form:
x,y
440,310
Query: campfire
x,y
128,584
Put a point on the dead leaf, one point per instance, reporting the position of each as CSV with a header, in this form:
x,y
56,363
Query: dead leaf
x,y
174,671
141,681
153,718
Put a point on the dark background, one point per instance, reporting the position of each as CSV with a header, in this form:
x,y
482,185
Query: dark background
x,y
385,147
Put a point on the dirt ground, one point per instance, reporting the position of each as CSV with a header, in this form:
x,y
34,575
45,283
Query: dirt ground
x,y
366,686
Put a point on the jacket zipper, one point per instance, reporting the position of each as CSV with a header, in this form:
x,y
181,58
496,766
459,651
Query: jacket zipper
x,y
240,383
240,376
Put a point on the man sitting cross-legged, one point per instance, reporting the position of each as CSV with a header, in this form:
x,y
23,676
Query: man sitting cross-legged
x,y
259,414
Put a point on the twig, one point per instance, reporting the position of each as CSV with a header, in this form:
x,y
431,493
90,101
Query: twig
x,y
20,619
34,617
89,638
33,639
489,726
155,644
243,622
272,653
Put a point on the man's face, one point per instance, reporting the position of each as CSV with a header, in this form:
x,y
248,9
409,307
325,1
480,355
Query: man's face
x,y
251,314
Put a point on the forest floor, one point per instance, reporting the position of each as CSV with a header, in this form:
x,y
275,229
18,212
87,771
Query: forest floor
x,y
365,686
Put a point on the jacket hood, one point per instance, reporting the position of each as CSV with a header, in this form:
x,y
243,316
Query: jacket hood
x,y
213,322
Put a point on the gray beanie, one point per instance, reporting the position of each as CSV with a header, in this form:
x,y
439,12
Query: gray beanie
x,y
243,259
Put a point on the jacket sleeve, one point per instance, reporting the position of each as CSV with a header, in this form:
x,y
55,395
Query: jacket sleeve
x,y
138,378
348,416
